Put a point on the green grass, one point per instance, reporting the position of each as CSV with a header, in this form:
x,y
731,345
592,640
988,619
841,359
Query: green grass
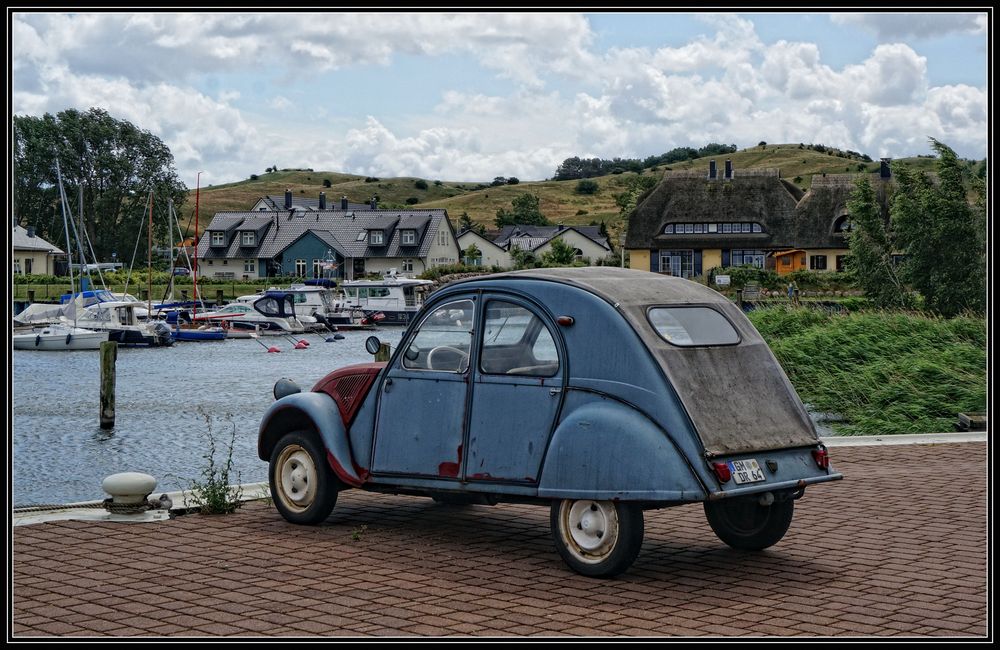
x,y
208,291
884,372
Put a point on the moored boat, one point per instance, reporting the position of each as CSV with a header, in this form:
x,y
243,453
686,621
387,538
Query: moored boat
x,y
59,337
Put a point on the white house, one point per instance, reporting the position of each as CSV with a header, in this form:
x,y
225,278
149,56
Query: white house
x,y
32,254
491,254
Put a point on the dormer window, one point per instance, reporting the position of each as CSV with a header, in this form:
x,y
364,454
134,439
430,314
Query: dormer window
x,y
248,238
842,224
408,237
376,237
218,239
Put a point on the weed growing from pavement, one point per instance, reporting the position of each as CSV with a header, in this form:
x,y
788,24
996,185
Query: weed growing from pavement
x,y
358,532
214,493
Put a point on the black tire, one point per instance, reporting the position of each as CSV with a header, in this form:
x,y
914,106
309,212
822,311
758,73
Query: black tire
x,y
579,529
303,486
746,525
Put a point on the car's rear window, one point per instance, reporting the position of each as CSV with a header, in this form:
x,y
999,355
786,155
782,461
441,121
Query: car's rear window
x,y
693,326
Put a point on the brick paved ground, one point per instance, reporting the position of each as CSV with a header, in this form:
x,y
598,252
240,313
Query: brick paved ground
x,y
896,549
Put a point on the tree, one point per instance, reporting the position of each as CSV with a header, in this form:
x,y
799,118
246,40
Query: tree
x,y
471,253
115,165
560,254
635,186
513,180
327,182
465,222
942,235
523,258
525,211
498,180
420,184
587,187
872,245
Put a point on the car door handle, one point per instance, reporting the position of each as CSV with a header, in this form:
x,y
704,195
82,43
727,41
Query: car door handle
x,y
555,391
388,384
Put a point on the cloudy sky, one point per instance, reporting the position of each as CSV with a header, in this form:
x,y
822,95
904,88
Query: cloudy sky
x,y
471,96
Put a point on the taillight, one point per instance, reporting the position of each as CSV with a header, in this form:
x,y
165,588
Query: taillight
x,y
821,457
722,471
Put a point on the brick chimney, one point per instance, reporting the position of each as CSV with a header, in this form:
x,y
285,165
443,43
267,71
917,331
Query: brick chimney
x,y
374,203
343,202
322,200
712,173
288,199
729,169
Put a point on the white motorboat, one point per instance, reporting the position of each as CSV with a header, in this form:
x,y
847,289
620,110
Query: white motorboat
x,y
59,337
399,299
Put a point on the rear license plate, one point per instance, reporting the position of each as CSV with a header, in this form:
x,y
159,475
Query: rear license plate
x,y
746,471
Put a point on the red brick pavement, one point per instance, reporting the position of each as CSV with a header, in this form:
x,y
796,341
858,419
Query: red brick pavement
x,y
898,548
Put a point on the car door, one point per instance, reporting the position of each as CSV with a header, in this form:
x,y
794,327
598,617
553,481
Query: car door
x,y
517,390
422,405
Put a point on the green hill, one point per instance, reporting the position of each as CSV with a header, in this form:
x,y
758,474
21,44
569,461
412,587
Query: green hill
x,y
558,200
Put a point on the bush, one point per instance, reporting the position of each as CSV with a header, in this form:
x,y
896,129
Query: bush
x,y
254,177
420,184
327,182
372,179
587,187
513,180
412,200
215,494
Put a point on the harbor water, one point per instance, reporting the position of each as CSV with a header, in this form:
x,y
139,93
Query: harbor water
x,y
168,400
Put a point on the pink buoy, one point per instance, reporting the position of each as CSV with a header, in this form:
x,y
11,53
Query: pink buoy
x,y
301,345
273,349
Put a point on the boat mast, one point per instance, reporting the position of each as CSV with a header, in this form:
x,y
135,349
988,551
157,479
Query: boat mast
x,y
149,260
197,240
69,244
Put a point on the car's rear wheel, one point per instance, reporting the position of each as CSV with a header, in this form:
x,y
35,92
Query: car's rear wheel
x,y
597,538
745,524
303,487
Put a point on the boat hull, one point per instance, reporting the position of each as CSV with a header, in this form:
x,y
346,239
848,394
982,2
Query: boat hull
x,y
49,340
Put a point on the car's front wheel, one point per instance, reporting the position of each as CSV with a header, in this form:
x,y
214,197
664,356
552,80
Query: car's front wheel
x,y
745,524
597,538
303,487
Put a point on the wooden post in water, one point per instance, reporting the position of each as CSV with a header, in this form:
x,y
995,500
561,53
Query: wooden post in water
x,y
384,352
31,295
109,355
219,296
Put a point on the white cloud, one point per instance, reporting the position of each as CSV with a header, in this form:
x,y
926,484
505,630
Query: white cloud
x,y
888,26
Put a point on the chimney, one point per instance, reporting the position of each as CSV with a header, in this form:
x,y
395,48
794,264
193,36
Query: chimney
x,y
288,199
343,202
322,200
561,227
884,170
729,169
712,174
31,231
374,203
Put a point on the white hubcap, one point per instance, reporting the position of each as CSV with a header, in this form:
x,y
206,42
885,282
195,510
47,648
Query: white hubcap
x,y
591,528
297,477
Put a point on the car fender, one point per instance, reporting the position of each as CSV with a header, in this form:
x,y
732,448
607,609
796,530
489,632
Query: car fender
x,y
310,411
606,449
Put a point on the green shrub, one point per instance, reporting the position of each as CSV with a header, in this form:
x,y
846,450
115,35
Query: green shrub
x,y
420,184
214,494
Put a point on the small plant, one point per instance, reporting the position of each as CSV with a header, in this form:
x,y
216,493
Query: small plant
x,y
213,494
358,532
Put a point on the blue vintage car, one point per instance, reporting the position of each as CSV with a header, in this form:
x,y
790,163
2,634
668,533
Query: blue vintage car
x,y
600,392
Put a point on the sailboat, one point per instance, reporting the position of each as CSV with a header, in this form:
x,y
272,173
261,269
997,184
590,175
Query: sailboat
x,y
62,336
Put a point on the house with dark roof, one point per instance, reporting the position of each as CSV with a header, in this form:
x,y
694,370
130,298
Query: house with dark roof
x,y
344,244
32,254
694,221
587,241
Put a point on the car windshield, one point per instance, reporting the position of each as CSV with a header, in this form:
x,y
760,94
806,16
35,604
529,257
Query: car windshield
x,y
693,326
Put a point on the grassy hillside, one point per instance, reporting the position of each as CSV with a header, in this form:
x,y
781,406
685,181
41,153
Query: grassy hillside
x,y
558,199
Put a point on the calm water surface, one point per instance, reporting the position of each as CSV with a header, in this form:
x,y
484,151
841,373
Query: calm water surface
x,y
164,395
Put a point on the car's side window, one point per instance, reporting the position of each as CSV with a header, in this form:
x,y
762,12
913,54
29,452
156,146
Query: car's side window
x,y
516,342
443,339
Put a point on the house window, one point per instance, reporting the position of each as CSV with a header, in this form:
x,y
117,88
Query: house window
x,y
841,260
757,228
218,239
407,265
248,238
786,261
300,268
842,224
713,227
361,236
442,237
745,227
688,228
17,266
699,227
249,266
408,237
669,230
727,228
375,237
677,263
28,262
210,262
317,268
817,262
747,258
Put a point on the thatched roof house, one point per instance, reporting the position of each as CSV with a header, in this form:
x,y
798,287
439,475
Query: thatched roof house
x,y
692,221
